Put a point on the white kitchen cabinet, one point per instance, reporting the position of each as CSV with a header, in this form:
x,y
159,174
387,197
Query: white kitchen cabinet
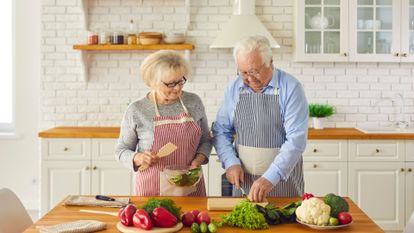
x,y
321,30
378,189
376,150
409,189
85,166
383,30
215,173
325,167
322,178
326,150
355,30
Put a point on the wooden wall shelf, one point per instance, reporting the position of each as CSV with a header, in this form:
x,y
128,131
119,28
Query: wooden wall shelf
x,y
86,49
133,47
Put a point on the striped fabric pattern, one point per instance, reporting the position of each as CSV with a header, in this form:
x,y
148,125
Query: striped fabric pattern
x,y
182,132
258,123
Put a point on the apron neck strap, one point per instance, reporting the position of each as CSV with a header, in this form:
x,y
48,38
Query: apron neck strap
x,y
157,112
245,91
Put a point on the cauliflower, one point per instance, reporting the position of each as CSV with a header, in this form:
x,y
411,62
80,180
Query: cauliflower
x,y
314,211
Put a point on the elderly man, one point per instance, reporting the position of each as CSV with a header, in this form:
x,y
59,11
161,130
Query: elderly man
x,y
265,111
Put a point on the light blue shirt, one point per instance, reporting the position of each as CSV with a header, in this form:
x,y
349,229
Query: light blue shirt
x,y
294,110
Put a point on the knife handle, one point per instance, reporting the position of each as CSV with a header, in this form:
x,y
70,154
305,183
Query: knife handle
x,y
104,198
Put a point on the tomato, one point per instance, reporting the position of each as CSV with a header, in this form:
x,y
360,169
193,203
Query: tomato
x,y
195,212
188,218
344,218
203,217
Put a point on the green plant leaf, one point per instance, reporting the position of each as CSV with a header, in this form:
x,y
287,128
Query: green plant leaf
x,y
321,110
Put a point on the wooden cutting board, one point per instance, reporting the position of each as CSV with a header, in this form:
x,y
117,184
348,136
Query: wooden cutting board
x,y
126,229
227,203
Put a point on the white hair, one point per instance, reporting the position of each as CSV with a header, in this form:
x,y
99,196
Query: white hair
x,y
162,63
254,43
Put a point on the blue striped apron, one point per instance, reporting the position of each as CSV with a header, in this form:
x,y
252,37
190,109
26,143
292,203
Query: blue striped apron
x,y
260,134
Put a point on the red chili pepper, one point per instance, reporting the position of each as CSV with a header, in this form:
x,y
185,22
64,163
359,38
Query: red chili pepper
x,y
142,220
126,214
307,196
163,218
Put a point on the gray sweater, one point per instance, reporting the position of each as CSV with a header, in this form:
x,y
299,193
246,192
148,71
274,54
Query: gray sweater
x,y
137,127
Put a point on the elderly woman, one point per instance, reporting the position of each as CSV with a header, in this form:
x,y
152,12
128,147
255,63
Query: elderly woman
x,y
166,114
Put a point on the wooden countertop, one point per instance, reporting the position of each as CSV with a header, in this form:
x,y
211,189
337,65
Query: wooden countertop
x,y
113,132
60,214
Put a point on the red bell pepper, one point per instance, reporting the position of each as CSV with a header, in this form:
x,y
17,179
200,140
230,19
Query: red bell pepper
x,y
142,220
163,218
126,214
307,196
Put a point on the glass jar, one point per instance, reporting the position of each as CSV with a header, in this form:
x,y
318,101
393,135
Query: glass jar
x,y
92,38
132,39
103,38
117,38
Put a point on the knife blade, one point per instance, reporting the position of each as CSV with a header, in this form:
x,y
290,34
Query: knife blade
x,y
243,192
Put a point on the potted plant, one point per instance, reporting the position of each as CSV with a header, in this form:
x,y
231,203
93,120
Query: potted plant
x,y
319,112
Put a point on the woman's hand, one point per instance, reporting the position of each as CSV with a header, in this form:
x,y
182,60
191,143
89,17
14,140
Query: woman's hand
x,y
198,161
146,157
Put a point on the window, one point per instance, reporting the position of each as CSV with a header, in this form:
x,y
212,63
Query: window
x,y
7,67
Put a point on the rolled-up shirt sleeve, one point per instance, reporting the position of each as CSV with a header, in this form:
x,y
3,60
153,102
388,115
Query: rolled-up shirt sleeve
x,y
295,113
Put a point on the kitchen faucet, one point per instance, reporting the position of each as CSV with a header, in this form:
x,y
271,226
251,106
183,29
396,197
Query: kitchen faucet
x,y
401,123
397,99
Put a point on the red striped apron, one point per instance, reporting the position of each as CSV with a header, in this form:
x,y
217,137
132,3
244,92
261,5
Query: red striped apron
x,y
182,131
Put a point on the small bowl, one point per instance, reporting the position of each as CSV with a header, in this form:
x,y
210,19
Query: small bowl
x,y
182,176
174,40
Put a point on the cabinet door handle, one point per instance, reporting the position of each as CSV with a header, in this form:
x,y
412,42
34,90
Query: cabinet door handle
x,y
315,150
410,170
396,54
402,169
65,149
377,150
94,168
403,54
345,54
87,168
315,166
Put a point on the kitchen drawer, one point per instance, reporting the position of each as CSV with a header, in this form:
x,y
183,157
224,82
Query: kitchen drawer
x,y
326,150
376,150
409,150
66,149
103,149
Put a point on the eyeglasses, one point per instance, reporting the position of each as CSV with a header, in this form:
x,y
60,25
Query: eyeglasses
x,y
173,84
251,73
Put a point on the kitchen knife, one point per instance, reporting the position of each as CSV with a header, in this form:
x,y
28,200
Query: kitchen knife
x,y
106,198
165,150
243,192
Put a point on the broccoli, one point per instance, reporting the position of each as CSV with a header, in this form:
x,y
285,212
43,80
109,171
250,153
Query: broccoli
x,y
337,204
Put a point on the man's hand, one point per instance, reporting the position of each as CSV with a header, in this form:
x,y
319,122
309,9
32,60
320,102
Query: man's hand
x,y
259,190
234,175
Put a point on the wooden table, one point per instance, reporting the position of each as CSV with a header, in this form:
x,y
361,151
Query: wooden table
x,y
361,222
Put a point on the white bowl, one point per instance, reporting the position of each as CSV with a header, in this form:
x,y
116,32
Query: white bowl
x,y
174,40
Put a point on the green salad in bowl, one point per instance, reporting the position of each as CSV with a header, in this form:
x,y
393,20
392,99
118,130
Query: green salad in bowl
x,y
182,175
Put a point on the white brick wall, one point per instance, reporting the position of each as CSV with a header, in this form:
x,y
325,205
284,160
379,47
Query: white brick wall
x,y
354,88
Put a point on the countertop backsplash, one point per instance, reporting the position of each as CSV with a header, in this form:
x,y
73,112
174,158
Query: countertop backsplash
x,y
360,92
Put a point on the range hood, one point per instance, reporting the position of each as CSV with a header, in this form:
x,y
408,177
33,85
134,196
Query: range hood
x,y
243,23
